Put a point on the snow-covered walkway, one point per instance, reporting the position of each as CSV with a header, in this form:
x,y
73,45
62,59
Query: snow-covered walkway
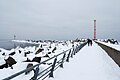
x,y
90,63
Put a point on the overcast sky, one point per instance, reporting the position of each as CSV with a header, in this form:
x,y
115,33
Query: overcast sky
x,y
59,19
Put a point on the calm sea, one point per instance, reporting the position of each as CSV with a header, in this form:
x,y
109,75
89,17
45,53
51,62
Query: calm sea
x,y
9,44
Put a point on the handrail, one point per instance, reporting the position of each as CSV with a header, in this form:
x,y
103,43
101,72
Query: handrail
x,y
50,68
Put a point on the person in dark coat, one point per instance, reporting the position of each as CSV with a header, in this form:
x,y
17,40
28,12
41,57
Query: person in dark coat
x,y
89,42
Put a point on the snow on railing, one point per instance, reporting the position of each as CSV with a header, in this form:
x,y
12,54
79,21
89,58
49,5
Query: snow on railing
x,y
58,61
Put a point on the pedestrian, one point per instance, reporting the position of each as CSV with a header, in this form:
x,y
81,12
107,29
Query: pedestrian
x,y
89,42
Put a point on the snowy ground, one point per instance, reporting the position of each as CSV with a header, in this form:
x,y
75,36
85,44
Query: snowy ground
x,y
20,57
91,63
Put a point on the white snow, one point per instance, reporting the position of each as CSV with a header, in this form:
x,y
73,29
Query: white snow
x,y
91,63
19,57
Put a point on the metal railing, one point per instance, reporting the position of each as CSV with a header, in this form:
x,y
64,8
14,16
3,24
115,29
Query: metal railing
x,y
58,61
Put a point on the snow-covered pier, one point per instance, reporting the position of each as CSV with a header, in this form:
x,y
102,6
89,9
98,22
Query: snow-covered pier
x,y
90,63
81,62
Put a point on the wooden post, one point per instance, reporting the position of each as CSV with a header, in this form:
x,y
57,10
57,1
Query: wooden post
x,y
68,56
53,66
62,60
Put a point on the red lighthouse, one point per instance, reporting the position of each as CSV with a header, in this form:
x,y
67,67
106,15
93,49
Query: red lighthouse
x,y
94,29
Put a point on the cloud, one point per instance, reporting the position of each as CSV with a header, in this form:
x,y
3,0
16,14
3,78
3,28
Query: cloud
x,y
58,19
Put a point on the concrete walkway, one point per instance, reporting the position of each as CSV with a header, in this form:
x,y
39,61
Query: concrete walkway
x,y
90,63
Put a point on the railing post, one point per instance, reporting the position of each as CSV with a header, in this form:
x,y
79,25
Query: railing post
x,y
53,66
72,53
77,49
62,60
35,73
68,56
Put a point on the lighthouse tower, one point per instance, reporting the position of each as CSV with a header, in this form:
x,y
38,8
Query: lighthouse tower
x,y
94,29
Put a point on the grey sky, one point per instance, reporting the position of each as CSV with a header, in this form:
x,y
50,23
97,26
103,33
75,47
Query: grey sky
x,y
59,19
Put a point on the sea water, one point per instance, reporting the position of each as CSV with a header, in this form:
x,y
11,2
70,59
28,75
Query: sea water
x,y
9,44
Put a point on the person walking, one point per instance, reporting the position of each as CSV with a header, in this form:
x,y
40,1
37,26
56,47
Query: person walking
x,y
89,42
